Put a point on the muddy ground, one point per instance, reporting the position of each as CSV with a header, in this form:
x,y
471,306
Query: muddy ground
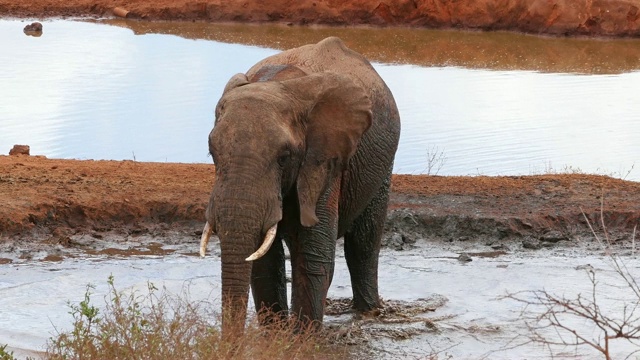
x,y
47,201
557,17
57,215
65,223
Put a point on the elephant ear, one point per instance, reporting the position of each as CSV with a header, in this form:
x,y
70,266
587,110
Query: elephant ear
x,y
338,112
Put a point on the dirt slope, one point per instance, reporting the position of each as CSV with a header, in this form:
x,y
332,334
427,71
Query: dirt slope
x,y
558,17
45,198
49,198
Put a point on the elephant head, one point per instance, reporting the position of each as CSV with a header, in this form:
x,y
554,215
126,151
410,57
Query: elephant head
x,y
284,138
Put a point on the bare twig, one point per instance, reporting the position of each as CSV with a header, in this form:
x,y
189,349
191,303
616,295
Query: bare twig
x,y
633,241
544,311
435,160
628,172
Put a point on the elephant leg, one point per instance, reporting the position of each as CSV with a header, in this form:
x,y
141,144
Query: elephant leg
x,y
313,260
362,248
268,284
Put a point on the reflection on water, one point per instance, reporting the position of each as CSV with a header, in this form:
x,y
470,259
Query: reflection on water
x,y
493,50
493,103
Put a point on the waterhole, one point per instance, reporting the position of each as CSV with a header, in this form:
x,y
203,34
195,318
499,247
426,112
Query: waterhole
x,y
471,103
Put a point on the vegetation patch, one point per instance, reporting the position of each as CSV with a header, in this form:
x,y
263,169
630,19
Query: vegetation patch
x,y
159,325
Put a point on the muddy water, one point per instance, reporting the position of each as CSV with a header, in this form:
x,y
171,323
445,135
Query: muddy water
x,y
468,320
473,103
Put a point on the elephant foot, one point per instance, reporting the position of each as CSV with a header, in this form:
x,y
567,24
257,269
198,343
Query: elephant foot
x,y
269,317
369,314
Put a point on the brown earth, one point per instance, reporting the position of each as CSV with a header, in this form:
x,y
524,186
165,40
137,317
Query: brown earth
x,y
558,17
52,199
47,199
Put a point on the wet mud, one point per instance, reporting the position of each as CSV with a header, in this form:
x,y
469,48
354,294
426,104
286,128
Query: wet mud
x,y
397,320
452,247
435,303
72,203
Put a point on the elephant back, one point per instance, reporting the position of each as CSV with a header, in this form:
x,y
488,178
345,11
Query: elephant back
x,y
330,54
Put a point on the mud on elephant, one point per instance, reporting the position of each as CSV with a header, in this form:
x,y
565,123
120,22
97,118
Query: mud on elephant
x,y
303,145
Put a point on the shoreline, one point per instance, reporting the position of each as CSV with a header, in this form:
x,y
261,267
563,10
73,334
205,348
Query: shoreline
x,y
52,199
49,200
600,18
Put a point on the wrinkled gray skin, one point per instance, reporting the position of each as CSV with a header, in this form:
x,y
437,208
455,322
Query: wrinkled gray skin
x,y
306,139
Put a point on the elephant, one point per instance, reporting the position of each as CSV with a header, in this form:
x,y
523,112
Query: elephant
x,y
303,146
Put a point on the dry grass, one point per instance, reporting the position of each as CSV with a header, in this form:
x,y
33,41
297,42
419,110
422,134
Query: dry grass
x,y
157,325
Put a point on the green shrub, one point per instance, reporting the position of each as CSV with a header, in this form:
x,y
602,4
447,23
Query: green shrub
x,y
157,325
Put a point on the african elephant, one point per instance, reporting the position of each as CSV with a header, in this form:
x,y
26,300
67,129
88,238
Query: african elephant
x,y
303,146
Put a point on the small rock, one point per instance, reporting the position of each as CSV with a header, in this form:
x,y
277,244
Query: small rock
x,y
408,240
138,231
553,236
19,150
33,29
121,12
464,257
564,244
531,244
396,241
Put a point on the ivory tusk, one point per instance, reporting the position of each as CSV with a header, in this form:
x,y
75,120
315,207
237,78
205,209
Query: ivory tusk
x,y
204,240
266,244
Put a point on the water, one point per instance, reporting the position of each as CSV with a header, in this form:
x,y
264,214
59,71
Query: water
x,y
475,322
476,103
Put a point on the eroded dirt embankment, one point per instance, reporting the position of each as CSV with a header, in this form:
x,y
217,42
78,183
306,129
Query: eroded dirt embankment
x,y
52,199
558,17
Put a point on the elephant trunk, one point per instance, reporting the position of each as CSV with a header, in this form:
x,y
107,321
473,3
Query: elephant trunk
x,y
236,277
235,245
239,217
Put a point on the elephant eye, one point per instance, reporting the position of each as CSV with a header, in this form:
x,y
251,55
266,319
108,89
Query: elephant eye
x,y
284,158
